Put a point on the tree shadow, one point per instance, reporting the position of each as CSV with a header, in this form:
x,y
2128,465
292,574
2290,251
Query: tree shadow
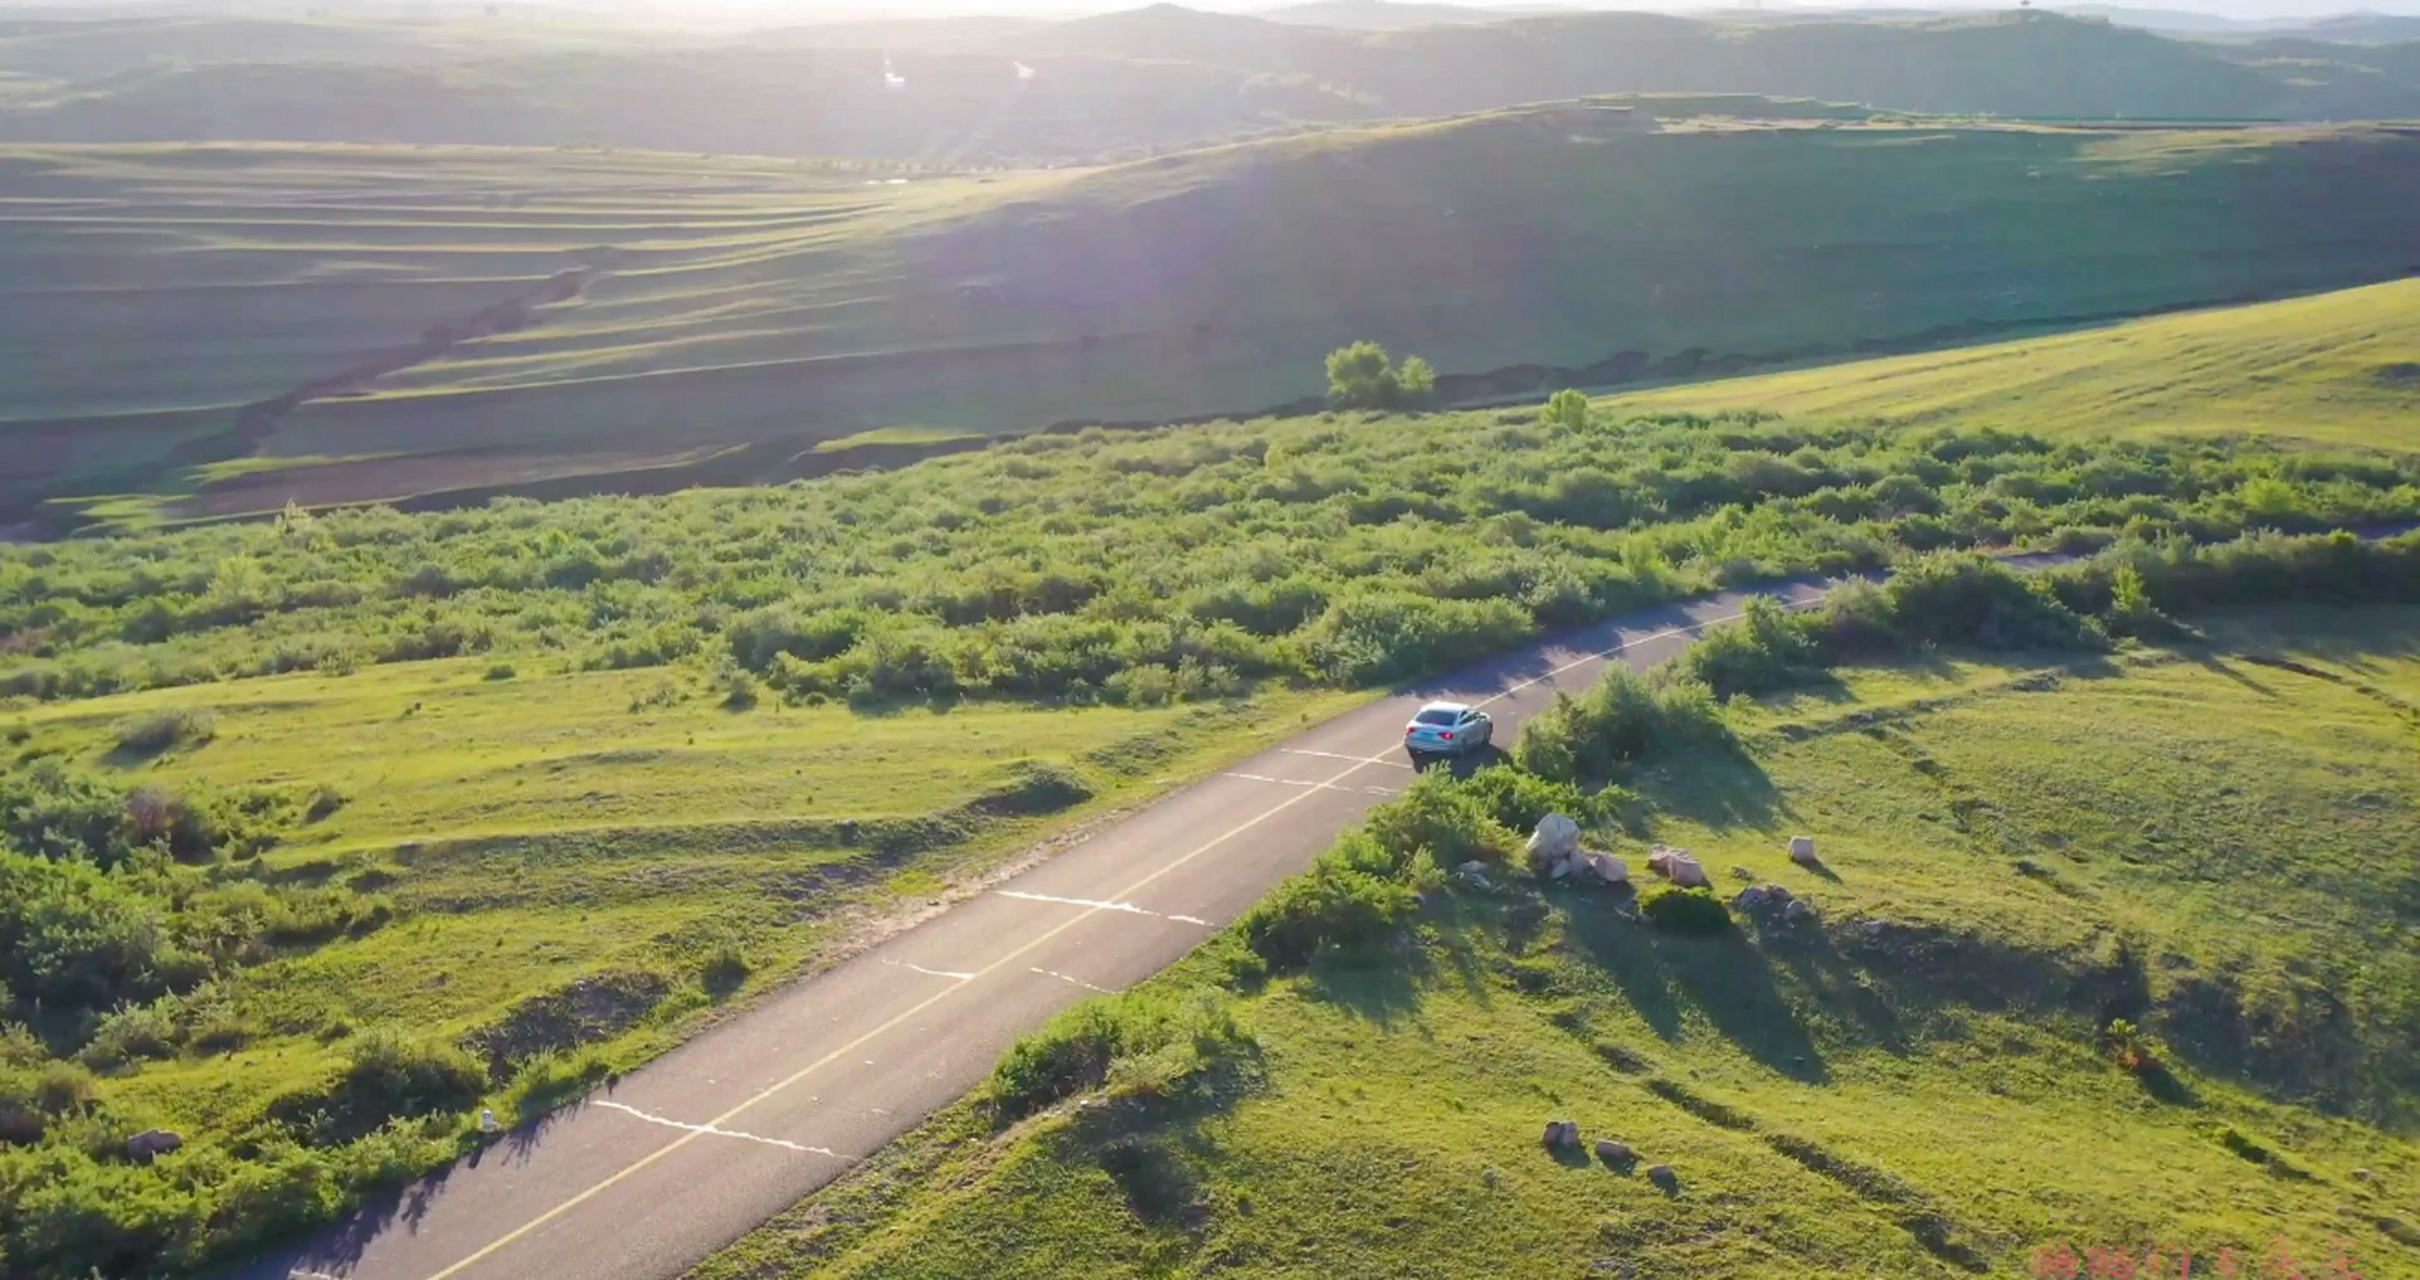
x,y
1722,790
2211,662
1807,952
1622,949
1382,987
1732,983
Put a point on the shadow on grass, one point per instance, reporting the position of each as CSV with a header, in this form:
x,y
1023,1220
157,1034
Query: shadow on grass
x,y
1721,789
1382,987
1729,980
2212,662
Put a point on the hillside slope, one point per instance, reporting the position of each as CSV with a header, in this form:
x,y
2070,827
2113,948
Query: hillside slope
x,y
2082,976
649,319
2342,367
1113,86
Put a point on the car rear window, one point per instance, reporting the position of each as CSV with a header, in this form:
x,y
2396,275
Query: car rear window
x,y
1435,717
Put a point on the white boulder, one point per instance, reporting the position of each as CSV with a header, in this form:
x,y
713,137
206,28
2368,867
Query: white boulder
x,y
1802,850
1556,837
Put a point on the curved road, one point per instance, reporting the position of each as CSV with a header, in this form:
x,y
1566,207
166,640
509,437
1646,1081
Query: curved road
x,y
645,1180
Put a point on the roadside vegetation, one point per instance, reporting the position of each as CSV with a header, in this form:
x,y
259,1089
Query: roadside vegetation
x,y
474,801
2108,922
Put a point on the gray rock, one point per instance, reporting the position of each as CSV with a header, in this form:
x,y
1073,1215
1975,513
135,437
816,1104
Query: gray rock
x,y
1556,837
152,1143
1562,1134
1777,893
1612,1152
1663,1176
1752,898
1797,911
1802,850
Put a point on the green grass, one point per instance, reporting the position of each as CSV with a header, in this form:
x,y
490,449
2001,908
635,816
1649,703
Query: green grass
x,y
735,300
1895,1104
547,827
2343,368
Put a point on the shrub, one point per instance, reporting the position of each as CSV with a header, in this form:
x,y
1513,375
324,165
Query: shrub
x,y
1162,1042
726,967
1616,723
1691,911
132,1034
1568,409
1968,600
1438,817
1364,376
501,671
1765,650
158,731
386,1077
1333,905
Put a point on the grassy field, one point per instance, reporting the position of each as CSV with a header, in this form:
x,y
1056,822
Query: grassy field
x,y
456,318
2017,849
537,831
2342,368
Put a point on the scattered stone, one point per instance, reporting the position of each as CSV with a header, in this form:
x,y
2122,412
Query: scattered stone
x,y
1742,873
1778,893
152,1143
1663,1176
1752,899
1797,911
1559,869
1488,1176
1562,1134
1612,1152
1802,851
1474,872
1556,838
1690,874
1607,868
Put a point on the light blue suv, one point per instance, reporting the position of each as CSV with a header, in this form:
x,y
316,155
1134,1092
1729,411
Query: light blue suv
x,y
1447,729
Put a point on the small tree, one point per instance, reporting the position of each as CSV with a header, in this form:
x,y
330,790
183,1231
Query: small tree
x,y
1364,376
1569,408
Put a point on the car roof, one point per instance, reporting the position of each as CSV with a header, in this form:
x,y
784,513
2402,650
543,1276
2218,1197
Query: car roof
x,y
1456,707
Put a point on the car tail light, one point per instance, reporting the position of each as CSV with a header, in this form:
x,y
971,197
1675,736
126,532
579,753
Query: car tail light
x,y
1448,735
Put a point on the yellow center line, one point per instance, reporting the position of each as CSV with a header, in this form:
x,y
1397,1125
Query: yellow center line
x,y
914,1010
852,1046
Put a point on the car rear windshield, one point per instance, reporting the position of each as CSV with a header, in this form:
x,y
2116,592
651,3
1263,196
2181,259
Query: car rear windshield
x,y
1435,717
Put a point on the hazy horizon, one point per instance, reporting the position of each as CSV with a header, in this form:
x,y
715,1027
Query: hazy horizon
x,y
786,12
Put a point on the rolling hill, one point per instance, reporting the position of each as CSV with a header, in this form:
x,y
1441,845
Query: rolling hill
x,y
416,321
1112,86
2338,367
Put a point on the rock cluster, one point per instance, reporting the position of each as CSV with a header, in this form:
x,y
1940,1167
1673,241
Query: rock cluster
x,y
1555,854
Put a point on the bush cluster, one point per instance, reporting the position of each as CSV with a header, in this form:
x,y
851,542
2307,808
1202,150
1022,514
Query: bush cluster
x,y
1152,1041
1136,566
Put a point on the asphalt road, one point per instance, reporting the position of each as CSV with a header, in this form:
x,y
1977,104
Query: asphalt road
x,y
645,1180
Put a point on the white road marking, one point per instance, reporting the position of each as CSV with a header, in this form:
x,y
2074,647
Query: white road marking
x,y
1338,755
1127,907
1077,981
899,1019
1315,786
1087,903
930,973
710,1128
